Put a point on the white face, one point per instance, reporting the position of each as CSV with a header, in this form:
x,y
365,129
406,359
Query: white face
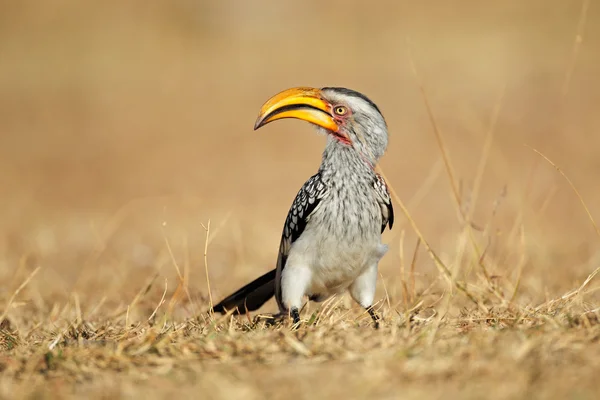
x,y
362,122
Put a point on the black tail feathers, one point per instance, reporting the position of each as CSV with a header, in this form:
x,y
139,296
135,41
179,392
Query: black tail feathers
x,y
251,297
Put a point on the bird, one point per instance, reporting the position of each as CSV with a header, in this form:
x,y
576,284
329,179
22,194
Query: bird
x,y
331,240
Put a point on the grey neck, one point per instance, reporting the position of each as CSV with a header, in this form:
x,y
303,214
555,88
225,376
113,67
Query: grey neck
x,y
343,161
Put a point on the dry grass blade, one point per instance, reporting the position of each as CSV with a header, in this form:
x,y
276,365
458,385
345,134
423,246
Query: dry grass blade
x,y
589,214
560,171
139,296
182,278
437,261
465,219
438,135
585,5
402,269
413,264
426,186
207,229
521,265
387,295
160,303
16,293
295,344
487,146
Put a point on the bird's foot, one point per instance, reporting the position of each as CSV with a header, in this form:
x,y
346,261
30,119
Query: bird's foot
x,y
374,316
295,315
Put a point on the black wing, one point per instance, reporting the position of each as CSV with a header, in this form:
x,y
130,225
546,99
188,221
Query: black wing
x,y
305,203
252,296
385,201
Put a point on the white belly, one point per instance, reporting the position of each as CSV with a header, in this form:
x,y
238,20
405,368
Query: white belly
x,y
333,263
340,245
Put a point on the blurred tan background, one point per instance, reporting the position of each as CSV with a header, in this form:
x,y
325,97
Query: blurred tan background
x,y
125,123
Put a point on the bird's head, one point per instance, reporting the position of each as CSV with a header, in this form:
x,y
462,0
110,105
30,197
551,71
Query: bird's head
x,y
348,117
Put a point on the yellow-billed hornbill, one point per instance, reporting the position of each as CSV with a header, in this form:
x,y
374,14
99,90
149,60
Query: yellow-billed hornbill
x,y
331,239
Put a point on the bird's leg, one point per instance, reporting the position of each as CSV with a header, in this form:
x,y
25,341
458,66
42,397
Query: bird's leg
x,y
374,316
362,291
295,278
295,315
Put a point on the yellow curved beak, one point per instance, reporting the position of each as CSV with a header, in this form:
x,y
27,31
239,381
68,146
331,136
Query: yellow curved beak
x,y
302,103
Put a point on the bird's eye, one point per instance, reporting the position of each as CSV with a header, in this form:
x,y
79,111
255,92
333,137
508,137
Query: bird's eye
x,y
340,110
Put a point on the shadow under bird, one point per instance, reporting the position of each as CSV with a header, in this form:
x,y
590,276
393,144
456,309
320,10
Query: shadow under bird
x,y
331,240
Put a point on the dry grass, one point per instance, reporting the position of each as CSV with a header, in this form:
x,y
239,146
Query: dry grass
x,y
135,196
521,352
